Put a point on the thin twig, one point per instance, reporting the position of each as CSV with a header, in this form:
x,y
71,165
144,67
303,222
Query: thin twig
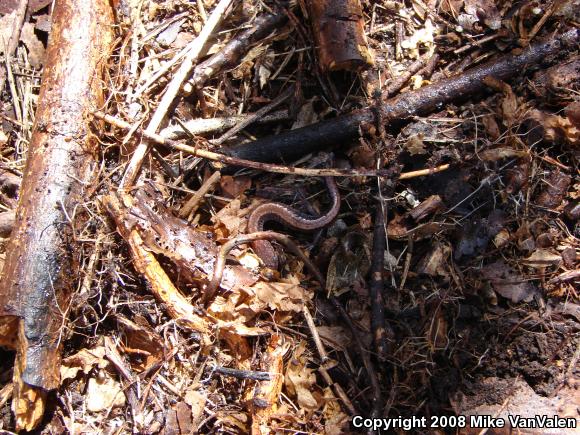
x,y
191,205
172,90
268,167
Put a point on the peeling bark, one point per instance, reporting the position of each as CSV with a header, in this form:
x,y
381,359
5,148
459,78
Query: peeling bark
x,y
38,278
338,28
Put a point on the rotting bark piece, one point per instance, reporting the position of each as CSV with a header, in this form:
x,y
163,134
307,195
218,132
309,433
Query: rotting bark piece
x,y
37,282
147,265
293,144
338,28
263,402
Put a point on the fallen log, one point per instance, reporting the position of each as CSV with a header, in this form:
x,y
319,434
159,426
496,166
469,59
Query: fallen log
x,y
38,273
291,145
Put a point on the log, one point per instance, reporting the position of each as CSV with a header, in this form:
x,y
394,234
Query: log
x,y
291,145
39,270
338,29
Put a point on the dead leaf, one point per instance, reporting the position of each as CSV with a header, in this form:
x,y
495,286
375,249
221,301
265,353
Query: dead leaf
x,y
84,361
232,187
451,7
485,11
6,23
229,217
336,422
196,400
509,106
491,127
104,393
141,339
306,115
281,296
335,336
434,262
8,6
543,258
554,190
299,380
508,283
415,145
500,153
36,51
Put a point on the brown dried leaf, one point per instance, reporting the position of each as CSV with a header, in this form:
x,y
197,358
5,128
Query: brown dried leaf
x,y
335,336
542,258
554,191
500,153
36,51
491,127
556,128
335,420
84,361
104,393
196,400
507,282
451,7
8,6
300,380
229,217
484,10
140,338
232,187
434,262
280,296
415,145
509,106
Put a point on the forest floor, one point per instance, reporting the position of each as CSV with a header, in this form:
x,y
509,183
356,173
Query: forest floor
x,y
477,280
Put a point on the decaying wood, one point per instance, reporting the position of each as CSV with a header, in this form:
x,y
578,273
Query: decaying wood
x,y
264,395
339,131
338,28
37,282
147,265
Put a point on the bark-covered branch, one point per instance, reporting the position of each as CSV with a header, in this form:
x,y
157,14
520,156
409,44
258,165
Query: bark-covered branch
x,y
38,278
291,145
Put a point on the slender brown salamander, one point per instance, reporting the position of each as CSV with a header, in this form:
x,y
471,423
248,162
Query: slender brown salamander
x,y
274,211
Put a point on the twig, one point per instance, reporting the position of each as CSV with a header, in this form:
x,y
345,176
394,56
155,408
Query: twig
x,y
268,167
376,286
235,49
242,374
315,335
398,82
191,205
220,263
291,145
172,90
207,125
250,119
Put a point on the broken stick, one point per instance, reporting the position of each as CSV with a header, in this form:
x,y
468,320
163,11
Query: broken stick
x,y
292,145
37,282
